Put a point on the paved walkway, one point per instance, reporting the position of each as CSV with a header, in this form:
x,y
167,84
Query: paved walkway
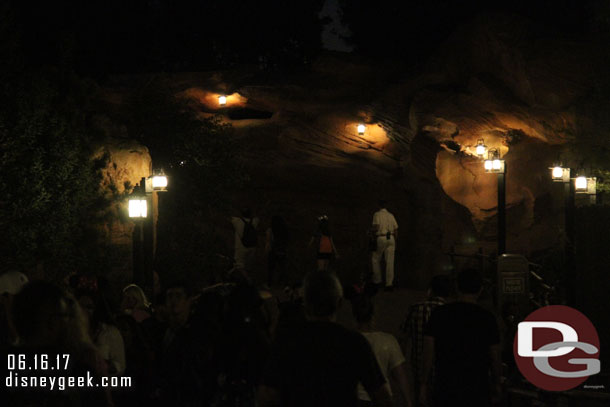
x,y
390,309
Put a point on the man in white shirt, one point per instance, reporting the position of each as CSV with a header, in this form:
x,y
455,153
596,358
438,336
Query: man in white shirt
x,y
243,255
386,230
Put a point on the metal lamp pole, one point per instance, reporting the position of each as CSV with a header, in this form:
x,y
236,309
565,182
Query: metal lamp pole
x,y
494,164
502,212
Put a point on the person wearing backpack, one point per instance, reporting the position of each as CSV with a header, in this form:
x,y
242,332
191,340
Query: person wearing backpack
x,y
325,244
246,239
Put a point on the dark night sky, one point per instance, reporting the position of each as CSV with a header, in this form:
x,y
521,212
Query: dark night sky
x,y
161,35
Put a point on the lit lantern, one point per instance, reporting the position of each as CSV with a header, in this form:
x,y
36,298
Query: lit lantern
x,y
156,182
493,162
581,184
560,174
138,207
159,181
557,173
222,100
361,128
481,148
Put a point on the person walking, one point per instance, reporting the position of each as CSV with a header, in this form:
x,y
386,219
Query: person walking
x,y
386,348
462,342
326,245
318,362
412,329
245,239
386,230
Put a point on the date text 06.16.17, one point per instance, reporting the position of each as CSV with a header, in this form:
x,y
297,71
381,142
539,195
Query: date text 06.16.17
x,y
37,361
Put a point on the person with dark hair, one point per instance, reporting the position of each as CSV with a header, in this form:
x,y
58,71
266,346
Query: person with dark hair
x,y
245,239
320,362
178,299
462,342
417,318
177,381
104,333
385,229
276,248
385,346
325,244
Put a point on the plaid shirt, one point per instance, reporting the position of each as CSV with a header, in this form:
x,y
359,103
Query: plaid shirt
x,y
413,329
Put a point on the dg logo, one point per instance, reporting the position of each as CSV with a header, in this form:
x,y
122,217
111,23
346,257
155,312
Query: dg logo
x,y
557,348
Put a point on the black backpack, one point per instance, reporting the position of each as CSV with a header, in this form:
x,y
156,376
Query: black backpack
x,y
249,238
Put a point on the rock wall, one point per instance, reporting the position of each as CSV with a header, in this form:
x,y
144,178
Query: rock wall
x,y
497,78
127,162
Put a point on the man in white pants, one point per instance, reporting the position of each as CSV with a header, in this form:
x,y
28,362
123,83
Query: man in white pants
x,y
386,230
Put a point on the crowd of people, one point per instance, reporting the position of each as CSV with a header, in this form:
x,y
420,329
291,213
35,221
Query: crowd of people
x,y
220,346
238,344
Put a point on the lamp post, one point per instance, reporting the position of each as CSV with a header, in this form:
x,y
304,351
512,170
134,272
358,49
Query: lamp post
x,y
578,185
495,165
138,212
143,206
561,174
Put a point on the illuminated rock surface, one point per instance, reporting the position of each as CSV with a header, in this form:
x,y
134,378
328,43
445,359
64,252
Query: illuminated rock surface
x,y
493,80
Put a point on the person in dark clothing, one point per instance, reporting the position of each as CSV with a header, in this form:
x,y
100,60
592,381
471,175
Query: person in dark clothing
x,y
326,249
276,247
320,362
462,340
417,319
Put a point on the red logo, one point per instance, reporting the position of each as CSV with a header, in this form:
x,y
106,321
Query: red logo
x,y
557,348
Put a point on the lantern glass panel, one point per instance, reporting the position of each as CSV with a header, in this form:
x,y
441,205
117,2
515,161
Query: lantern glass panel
x,y
581,183
159,181
137,208
557,172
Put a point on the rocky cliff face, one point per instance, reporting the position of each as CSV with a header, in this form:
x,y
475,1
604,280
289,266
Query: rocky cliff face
x,y
127,162
497,79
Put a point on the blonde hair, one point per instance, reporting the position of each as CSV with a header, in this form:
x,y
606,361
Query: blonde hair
x,y
143,300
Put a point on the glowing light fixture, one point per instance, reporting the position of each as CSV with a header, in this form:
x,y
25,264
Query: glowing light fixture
x,y
138,207
560,174
361,129
581,184
159,181
557,172
222,100
481,148
156,182
493,162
